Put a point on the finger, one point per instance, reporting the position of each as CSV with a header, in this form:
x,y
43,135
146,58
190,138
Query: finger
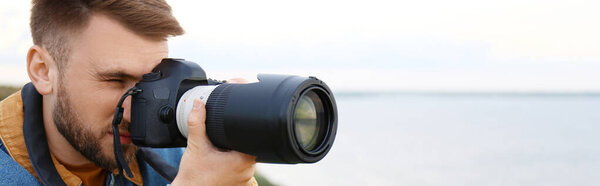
x,y
249,172
252,182
246,178
197,139
244,160
237,81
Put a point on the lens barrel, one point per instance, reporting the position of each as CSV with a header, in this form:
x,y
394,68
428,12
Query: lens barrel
x,y
280,119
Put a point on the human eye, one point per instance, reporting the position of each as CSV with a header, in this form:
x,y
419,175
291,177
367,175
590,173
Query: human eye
x,y
114,80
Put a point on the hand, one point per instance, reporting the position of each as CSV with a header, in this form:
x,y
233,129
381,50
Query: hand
x,y
204,164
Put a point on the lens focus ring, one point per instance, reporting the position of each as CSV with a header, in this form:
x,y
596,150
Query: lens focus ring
x,y
215,111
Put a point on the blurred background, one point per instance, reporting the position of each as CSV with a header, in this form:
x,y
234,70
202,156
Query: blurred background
x,y
431,92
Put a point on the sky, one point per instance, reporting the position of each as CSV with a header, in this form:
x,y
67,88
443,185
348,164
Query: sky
x,y
375,45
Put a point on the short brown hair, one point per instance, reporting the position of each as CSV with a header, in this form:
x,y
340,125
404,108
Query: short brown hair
x,y
53,20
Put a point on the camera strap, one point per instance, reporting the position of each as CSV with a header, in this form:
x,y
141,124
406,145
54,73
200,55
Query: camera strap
x,y
118,117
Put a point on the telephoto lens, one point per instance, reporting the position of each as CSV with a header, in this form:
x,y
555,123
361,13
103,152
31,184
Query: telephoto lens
x,y
279,119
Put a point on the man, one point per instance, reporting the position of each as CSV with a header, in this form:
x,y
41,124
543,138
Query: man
x,y
86,54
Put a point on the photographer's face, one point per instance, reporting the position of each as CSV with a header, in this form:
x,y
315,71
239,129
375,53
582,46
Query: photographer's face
x,y
105,60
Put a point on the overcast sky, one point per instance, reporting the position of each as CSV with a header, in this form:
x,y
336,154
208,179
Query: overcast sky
x,y
432,45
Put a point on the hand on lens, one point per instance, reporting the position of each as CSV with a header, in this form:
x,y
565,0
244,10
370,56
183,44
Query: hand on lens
x,y
204,164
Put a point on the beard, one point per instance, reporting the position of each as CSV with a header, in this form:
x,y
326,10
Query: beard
x,y
84,139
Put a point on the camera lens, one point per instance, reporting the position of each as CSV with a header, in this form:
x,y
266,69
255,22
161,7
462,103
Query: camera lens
x,y
309,120
280,119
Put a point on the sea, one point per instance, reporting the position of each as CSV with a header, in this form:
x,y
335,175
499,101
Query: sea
x,y
462,139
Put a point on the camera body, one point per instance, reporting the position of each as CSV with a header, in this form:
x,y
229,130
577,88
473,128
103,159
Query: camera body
x,y
153,109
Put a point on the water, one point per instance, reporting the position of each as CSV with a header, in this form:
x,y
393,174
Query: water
x,y
412,139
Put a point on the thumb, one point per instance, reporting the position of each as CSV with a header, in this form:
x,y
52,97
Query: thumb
x,y
197,139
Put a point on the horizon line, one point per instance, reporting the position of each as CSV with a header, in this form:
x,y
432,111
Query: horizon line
x,y
501,93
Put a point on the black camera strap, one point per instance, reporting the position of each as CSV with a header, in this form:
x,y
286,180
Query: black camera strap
x,y
121,163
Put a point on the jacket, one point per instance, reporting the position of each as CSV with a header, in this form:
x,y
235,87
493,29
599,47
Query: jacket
x,y
25,158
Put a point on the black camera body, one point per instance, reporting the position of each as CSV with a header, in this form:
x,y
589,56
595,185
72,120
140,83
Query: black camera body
x,y
153,109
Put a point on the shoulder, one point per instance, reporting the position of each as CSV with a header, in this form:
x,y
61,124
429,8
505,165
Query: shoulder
x,y
164,159
11,113
12,173
170,155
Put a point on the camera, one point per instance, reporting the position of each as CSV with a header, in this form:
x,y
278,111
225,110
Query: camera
x,y
279,119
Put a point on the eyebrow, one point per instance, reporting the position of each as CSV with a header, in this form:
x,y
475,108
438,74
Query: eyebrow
x,y
115,74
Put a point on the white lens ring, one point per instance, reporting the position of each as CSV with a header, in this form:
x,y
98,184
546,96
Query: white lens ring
x,y
186,103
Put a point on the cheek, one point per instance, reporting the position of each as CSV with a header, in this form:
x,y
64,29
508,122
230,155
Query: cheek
x,y
106,141
106,145
94,105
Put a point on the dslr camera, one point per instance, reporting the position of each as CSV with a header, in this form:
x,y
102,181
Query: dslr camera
x,y
279,119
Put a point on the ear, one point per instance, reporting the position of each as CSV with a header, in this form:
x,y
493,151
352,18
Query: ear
x,y
41,69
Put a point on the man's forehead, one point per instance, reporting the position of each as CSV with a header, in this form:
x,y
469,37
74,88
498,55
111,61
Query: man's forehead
x,y
108,47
